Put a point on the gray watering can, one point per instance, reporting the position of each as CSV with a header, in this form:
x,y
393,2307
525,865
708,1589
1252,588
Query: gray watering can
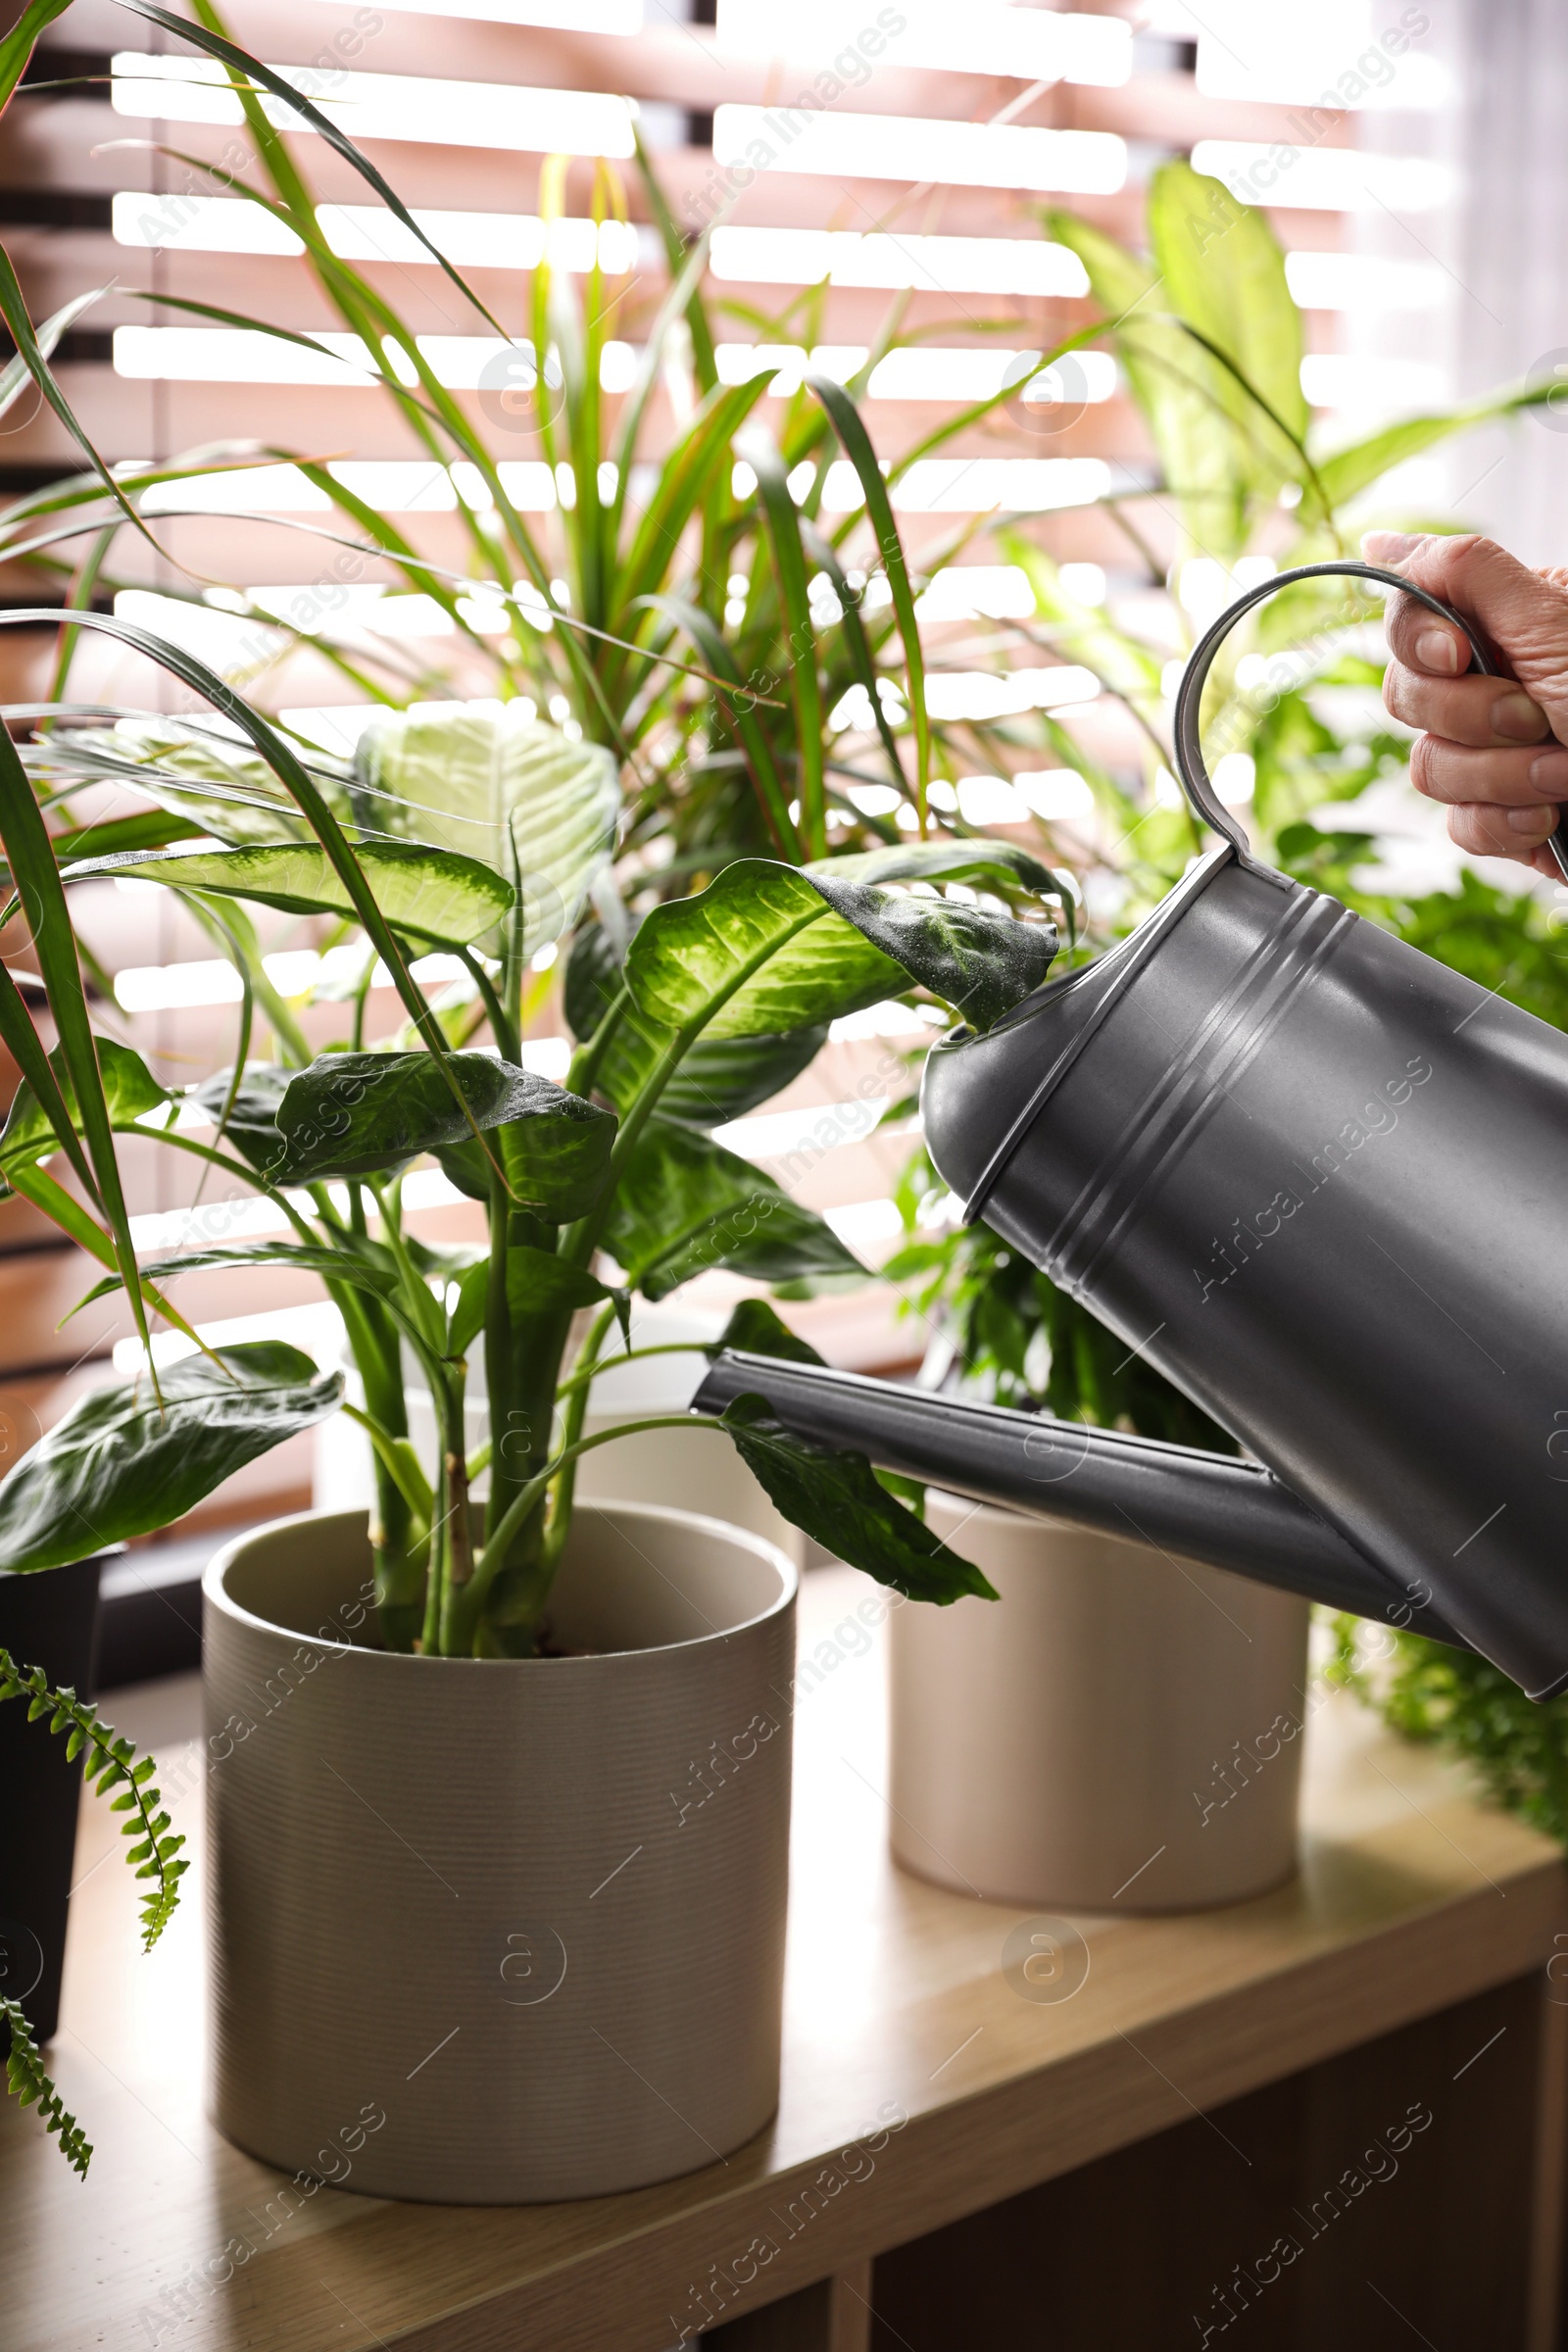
x,y
1313,1177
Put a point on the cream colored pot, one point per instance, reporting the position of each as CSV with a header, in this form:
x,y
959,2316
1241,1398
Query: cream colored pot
x,y
493,1932
1121,1731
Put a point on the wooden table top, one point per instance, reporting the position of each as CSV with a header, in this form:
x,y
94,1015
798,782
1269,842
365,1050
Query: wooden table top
x,y
918,2085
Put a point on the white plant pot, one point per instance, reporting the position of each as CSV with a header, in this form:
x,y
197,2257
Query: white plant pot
x,y
1118,1731
496,1931
696,1469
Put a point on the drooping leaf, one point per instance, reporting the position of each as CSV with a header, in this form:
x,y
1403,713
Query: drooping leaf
x,y
837,1498
685,1205
121,1464
1349,470
428,892
761,946
720,1078
769,948
354,1114
756,1330
335,1266
477,778
466,1319
130,1091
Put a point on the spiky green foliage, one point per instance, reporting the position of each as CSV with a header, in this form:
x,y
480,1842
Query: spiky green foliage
x,y
30,2085
110,1763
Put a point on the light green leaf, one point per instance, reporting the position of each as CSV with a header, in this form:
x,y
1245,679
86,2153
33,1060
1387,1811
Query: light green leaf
x,y
222,787
130,1091
685,1205
761,945
477,778
121,1464
428,892
1002,867
753,954
837,1498
1224,273
1348,471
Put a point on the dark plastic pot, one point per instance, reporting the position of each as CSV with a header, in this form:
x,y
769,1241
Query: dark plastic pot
x,y
48,1620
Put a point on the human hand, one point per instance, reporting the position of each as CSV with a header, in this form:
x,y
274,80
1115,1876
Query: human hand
x,y
1492,749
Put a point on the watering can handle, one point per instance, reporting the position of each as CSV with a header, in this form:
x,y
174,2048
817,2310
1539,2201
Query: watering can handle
x,y
1194,778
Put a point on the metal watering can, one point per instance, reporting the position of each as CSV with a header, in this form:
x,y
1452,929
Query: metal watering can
x,y
1314,1178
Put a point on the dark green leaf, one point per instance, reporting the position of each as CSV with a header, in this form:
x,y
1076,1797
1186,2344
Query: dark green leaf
x,y
837,1498
120,1464
755,1328
431,893
981,964
466,1319
539,1284
685,1205
252,1124
999,865
354,1114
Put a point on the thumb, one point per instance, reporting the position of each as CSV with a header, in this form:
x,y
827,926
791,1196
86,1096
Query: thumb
x,y
1523,614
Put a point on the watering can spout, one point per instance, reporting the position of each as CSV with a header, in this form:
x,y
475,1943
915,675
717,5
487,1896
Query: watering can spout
x,y
1210,1507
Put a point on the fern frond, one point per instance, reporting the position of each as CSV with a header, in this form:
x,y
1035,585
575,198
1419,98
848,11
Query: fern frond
x,y
32,2087
112,1763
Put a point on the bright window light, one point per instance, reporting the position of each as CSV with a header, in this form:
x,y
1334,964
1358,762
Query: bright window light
x,y
1340,380
978,592
1328,55
387,106
932,371
318,1330
1085,584
222,354
565,16
859,1224
1055,792
1236,778
164,986
889,1018
913,147
1334,179
1362,281
847,257
1027,44
978,485
981,694
396,486
991,800
232,643
777,1132
366,232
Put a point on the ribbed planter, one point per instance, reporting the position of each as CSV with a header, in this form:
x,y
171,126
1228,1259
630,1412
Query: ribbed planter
x,y
1119,1732
502,1930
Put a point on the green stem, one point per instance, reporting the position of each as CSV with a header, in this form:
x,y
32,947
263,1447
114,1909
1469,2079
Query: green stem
x,y
527,1498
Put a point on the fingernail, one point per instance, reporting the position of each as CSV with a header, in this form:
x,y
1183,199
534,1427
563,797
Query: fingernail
x,y
1436,649
1539,822
1549,774
1517,716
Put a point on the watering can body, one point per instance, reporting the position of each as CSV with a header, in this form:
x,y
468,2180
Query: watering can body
x,y
1313,1177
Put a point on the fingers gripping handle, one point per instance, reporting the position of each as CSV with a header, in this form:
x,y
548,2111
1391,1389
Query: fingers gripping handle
x,y
1194,778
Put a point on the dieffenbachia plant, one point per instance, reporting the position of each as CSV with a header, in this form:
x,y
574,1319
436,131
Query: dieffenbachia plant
x,y
594,1191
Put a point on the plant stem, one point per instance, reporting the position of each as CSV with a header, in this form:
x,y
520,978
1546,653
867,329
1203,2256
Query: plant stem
x,y
527,1498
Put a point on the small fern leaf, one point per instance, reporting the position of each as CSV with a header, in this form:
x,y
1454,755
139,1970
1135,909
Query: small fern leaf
x,y
30,2086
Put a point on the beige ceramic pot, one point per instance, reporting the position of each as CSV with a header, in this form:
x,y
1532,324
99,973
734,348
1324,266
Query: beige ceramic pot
x,y
1121,1731
494,1932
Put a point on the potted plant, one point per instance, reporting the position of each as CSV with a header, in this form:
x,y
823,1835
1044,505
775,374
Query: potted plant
x,y
437,1728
